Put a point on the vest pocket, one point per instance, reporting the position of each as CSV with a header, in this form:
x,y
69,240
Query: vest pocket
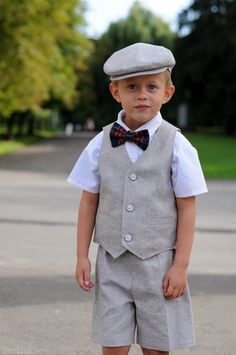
x,y
161,220
158,234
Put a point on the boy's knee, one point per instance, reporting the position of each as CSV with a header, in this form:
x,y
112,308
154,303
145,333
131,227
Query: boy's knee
x,y
120,350
154,352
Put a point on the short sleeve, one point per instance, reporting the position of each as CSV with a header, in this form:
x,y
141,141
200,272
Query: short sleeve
x,y
85,174
187,175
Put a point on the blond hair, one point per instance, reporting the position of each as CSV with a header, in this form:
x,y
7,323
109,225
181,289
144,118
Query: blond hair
x,y
169,81
167,73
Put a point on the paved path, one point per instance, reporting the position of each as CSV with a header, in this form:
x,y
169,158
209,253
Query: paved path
x,y
42,310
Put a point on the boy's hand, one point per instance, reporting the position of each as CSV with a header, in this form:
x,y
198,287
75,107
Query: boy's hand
x,y
82,274
175,282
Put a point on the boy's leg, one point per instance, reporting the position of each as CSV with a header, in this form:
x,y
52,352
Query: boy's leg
x,y
154,352
121,350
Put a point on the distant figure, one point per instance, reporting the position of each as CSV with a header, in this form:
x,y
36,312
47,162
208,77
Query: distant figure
x,y
182,116
69,129
139,179
89,125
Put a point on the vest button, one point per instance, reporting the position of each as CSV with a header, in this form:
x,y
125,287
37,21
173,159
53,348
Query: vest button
x,y
133,177
128,238
130,208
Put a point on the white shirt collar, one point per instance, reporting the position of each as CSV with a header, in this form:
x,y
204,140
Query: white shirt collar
x,y
151,125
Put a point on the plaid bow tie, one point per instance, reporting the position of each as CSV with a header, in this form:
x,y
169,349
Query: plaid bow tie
x,y
119,136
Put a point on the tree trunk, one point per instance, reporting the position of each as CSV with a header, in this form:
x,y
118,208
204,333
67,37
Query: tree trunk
x,y
20,124
30,130
231,128
10,125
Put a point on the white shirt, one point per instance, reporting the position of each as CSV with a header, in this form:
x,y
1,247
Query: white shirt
x,y
187,175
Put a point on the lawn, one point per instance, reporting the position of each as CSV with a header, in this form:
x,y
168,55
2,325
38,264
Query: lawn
x,y
10,146
217,154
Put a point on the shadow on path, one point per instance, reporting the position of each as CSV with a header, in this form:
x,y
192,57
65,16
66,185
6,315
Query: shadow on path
x,y
20,291
51,156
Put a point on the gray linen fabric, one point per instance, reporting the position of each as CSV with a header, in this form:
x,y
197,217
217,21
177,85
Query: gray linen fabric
x,y
139,59
130,305
137,209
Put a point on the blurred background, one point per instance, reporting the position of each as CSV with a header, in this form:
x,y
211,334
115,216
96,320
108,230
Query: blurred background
x,y
53,99
52,80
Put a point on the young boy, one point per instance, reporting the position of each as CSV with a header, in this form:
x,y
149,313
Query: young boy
x,y
139,179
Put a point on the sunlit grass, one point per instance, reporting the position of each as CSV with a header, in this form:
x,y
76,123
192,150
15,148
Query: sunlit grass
x,y
10,146
217,154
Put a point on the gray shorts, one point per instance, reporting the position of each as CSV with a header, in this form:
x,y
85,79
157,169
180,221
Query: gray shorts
x,y
129,305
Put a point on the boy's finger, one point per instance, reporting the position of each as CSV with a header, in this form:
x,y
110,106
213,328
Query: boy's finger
x,y
175,293
169,291
88,284
81,282
79,277
86,278
165,284
84,286
181,292
91,285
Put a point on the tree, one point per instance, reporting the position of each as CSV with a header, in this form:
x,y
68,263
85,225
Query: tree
x,y
141,25
206,59
41,48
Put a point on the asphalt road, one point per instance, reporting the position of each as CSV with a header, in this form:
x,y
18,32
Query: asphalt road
x,y
42,310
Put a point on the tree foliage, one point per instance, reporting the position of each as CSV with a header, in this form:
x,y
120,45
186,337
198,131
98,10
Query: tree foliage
x,y
41,48
206,62
141,25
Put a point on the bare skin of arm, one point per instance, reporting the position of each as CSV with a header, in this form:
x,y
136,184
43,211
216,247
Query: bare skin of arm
x,y
175,280
85,226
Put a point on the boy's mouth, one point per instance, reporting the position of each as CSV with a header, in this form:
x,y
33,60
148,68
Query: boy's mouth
x,y
142,107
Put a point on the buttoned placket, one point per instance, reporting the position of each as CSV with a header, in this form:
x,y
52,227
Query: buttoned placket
x,y
130,207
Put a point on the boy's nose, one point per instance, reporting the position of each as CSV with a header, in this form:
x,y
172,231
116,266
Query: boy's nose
x,y
142,94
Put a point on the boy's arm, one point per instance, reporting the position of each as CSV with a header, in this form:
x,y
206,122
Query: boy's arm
x,y
85,226
176,278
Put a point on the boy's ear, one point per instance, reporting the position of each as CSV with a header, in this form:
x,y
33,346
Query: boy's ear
x,y
114,89
169,93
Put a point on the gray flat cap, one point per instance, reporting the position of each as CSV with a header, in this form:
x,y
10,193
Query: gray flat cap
x,y
138,59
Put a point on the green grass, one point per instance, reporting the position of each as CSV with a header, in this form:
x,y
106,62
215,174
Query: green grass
x,y
11,146
217,154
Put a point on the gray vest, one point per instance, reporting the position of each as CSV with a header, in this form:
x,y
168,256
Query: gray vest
x,y
137,209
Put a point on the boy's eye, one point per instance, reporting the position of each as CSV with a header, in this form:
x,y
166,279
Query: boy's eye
x,y
132,86
152,86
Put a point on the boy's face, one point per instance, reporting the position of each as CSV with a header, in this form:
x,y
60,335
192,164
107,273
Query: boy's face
x,y
141,97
